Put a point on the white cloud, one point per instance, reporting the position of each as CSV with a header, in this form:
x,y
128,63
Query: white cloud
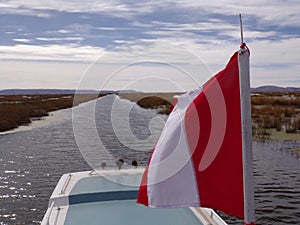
x,y
73,53
14,10
33,74
200,31
120,41
60,39
23,40
61,31
107,28
280,12
34,6
273,52
197,26
251,34
10,32
64,31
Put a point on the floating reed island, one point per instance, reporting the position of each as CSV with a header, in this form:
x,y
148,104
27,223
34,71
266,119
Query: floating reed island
x,y
162,102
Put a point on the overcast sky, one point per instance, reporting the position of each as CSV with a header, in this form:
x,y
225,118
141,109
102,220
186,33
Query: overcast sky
x,y
146,45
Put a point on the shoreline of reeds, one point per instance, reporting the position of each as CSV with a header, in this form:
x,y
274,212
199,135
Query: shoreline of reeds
x,y
275,116
19,110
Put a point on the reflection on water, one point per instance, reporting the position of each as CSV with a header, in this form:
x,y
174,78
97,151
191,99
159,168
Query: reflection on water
x,y
118,129
276,184
32,162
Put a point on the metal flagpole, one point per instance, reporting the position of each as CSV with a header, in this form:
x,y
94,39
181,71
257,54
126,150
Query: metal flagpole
x,y
243,62
241,28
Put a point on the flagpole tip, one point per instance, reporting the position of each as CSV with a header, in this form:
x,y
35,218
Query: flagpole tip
x,y
241,30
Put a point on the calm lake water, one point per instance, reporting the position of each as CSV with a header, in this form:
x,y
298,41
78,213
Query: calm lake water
x,y
32,161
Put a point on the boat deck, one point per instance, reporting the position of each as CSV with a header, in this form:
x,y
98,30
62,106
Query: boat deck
x,y
127,212
109,198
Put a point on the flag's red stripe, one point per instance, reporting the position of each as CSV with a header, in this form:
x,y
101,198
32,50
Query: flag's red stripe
x,y
221,184
143,193
142,197
198,143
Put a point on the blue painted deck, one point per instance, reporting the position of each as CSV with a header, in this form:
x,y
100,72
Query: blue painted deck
x,y
127,212
100,200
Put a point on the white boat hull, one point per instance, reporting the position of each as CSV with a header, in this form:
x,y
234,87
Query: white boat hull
x,y
108,198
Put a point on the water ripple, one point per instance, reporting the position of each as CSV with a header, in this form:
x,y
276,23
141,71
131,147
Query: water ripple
x,y
32,162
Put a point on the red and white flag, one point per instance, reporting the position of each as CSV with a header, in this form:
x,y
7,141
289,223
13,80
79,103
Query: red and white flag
x,y
198,158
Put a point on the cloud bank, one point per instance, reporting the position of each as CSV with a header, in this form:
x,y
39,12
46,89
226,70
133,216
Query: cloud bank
x,y
72,32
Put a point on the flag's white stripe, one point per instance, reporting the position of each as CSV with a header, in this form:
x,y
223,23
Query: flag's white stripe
x,y
175,184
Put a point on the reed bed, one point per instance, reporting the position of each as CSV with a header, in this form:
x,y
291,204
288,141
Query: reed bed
x,y
270,111
16,110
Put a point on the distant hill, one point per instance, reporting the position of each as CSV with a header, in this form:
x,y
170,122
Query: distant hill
x,y
58,91
39,91
270,88
72,91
